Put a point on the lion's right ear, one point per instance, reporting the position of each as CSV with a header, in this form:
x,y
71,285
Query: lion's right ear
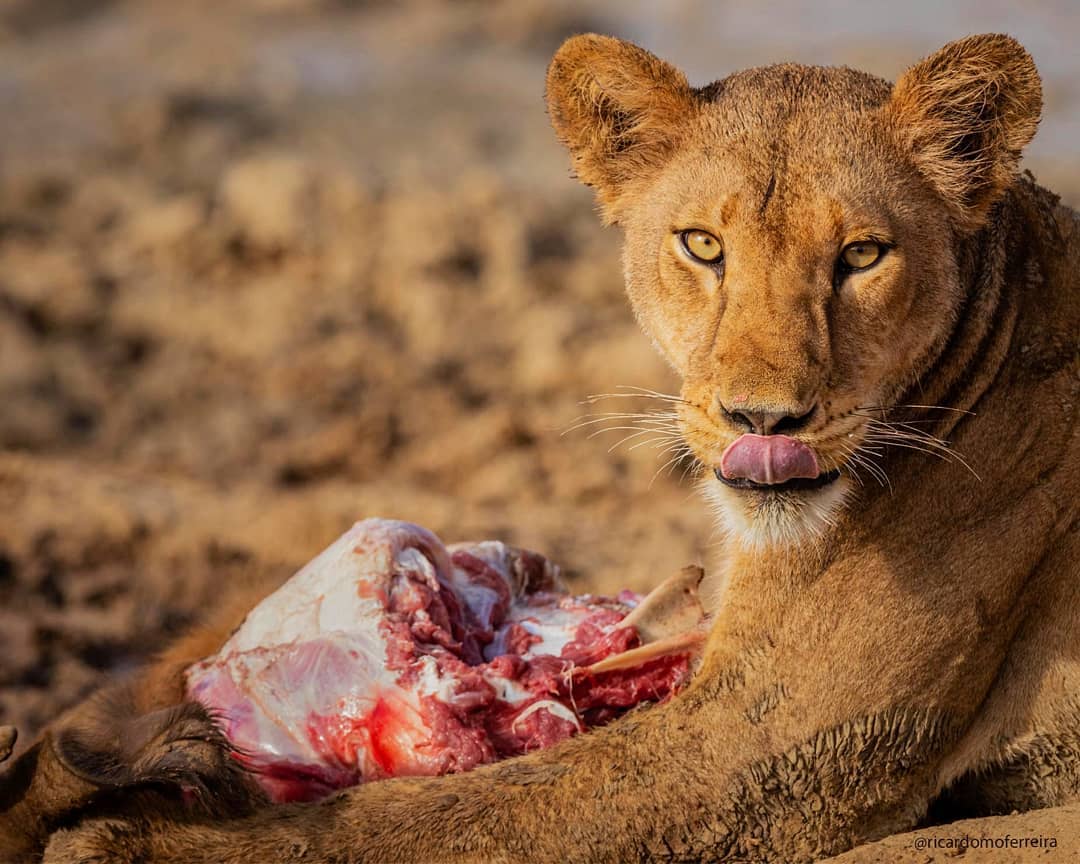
x,y
618,109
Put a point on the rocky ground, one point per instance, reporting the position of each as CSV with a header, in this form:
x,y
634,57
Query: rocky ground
x,y
269,267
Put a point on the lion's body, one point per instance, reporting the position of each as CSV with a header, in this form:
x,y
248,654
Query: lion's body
x,y
874,648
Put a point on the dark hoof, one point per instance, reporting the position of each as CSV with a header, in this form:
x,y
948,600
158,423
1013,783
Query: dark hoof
x,y
8,736
179,748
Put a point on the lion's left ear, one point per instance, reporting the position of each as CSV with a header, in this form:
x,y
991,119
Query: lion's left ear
x,y
966,113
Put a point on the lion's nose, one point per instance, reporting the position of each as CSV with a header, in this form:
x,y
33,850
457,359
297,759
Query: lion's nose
x,y
769,422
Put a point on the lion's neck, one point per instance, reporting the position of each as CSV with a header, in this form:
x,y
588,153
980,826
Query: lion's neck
x,y
993,269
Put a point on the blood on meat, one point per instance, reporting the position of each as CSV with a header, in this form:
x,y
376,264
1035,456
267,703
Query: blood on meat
x,y
392,655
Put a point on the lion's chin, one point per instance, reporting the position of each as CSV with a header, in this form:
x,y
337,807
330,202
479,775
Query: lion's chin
x,y
759,519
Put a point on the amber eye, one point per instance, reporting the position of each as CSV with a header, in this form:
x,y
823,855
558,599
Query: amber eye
x,y
703,246
859,256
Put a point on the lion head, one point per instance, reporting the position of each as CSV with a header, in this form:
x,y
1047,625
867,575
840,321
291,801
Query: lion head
x,y
795,242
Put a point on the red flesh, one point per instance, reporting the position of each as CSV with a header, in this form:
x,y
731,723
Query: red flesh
x,y
456,678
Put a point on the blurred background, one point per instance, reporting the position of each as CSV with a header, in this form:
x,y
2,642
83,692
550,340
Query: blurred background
x,y
270,267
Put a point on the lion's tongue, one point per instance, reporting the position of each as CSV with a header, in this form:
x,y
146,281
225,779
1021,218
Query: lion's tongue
x,y
768,459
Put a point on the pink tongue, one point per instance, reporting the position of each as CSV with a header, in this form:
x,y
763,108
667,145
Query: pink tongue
x,y
768,459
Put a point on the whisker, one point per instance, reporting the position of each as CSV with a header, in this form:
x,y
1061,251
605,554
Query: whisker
x,y
906,422
604,429
639,423
907,435
943,457
671,448
865,457
854,462
851,468
593,419
904,435
871,449
878,473
693,467
915,407
944,454
645,391
669,414
888,430
631,392
822,515
936,448
887,437
898,424
663,439
681,453
635,433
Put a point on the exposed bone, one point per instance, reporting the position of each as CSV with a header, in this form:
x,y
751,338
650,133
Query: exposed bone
x,y
671,608
669,621
687,642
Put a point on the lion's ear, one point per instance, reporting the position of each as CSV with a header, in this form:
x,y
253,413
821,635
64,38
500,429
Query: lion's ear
x,y
966,113
618,109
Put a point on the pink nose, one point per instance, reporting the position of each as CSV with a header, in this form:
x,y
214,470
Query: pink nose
x,y
768,459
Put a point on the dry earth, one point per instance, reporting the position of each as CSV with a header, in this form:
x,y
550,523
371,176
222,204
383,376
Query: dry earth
x,y
270,267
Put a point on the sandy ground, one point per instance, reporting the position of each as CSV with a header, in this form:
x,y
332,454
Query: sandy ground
x,y
270,267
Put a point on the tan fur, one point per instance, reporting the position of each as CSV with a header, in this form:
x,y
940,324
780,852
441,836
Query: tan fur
x,y
874,646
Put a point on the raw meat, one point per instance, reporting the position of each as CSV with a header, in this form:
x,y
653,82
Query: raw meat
x,y
390,654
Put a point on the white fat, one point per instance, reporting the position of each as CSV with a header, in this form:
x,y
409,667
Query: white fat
x,y
491,552
553,637
431,682
341,589
415,560
556,709
555,626
506,690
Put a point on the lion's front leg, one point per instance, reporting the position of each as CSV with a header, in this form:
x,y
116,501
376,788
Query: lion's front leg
x,y
606,796
820,719
393,821
697,779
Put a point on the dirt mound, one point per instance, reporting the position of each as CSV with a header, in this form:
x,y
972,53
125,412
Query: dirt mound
x,y
221,343
1042,835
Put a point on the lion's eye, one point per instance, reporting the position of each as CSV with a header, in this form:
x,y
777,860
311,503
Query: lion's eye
x,y
703,246
859,256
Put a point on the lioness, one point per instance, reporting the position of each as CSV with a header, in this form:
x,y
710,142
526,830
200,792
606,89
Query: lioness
x,y
846,274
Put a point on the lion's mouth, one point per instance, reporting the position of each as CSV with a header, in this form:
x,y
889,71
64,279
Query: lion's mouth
x,y
772,463
795,484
